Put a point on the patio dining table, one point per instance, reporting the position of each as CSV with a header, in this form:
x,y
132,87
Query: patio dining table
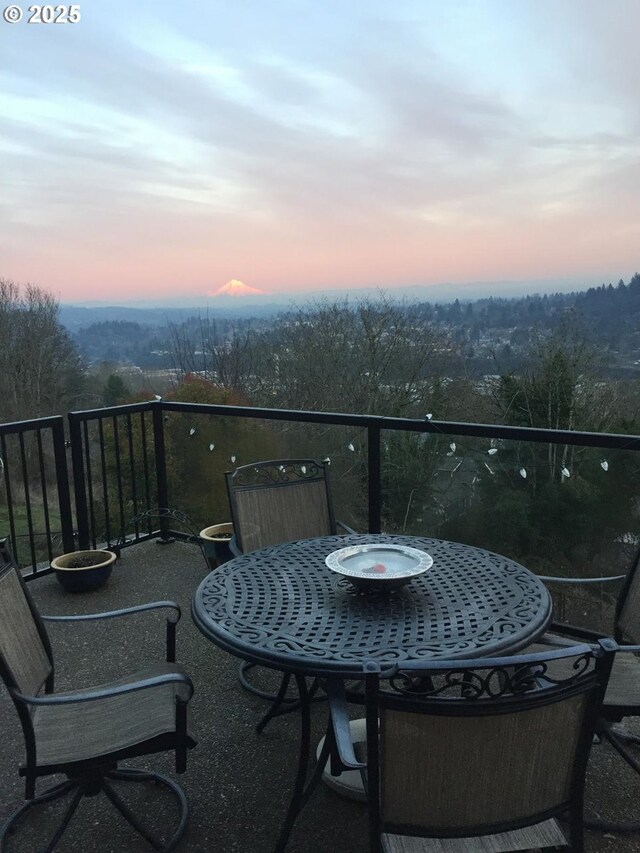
x,y
282,607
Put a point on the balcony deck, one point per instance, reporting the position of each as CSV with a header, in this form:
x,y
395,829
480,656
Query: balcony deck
x,y
238,783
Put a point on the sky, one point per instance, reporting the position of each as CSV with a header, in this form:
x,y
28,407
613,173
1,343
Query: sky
x,y
158,149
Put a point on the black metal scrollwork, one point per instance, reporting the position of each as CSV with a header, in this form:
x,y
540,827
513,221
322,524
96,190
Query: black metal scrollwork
x,y
492,682
277,472
175,516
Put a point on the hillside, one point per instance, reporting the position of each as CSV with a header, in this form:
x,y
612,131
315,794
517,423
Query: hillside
x,y
485,329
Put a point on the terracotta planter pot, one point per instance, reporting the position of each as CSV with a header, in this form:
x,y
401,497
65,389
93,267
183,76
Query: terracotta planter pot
x,y
216,543
83,571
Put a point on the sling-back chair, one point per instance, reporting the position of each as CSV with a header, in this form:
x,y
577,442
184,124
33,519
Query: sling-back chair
x,y
84,734
622,698
479,756
280,500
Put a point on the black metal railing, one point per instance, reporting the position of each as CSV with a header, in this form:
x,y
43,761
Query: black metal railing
x,y
35,503
118,467
128,459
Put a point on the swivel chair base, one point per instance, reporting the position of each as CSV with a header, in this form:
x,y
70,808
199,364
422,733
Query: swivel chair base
x,y
89,786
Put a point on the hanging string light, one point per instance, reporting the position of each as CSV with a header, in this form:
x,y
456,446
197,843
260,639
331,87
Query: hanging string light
x,y
523,473
351,447
192,431
212,446
604,465
565,471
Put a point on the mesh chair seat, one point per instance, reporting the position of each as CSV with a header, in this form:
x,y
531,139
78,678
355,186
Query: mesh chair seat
x,y
78,732
279,501
546,834
624,685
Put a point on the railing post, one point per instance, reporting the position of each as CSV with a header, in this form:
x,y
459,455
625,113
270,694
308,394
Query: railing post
x,y
161,470
62,479
77,464
373,466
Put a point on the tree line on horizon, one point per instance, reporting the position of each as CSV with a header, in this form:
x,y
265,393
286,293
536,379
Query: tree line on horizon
x,y
484,329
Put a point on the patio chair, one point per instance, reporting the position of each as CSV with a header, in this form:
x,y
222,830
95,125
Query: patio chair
x,y
473,756
84,734
622,698
279,501
276,501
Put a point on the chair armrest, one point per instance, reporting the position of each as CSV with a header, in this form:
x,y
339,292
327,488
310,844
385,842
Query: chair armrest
x,y
108,692
126,611
632,649
555,641
606,579
109,614
234,547
576,631
339,723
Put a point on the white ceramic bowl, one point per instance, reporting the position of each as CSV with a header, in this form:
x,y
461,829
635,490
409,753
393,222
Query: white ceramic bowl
x,y
377,566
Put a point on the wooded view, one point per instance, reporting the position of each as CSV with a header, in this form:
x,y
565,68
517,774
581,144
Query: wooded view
x,y
565,362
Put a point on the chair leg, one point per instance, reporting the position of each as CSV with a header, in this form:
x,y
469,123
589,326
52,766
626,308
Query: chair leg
x,y
50,794
71,809
277,703
297,799
617,739
246,667
127,775
280,707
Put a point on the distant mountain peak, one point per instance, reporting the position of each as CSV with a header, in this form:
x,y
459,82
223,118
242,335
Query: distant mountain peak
x,y
237,289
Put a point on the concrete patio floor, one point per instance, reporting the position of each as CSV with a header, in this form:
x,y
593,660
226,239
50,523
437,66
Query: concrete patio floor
x,y
238,783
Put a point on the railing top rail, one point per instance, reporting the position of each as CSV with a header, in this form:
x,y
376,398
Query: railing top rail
x,y
615,441
548,436
112,411
32,423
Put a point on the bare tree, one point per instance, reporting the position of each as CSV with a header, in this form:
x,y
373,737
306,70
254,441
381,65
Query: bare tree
x,y
370,357
40,369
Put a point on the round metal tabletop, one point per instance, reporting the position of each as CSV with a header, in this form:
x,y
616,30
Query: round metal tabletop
x,y
283,607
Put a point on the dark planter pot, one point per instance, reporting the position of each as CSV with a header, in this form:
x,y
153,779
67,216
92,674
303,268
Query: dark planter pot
x,y
216,539
83,571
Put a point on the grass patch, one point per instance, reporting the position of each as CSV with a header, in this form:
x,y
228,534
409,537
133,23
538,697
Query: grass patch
x,y
21,546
